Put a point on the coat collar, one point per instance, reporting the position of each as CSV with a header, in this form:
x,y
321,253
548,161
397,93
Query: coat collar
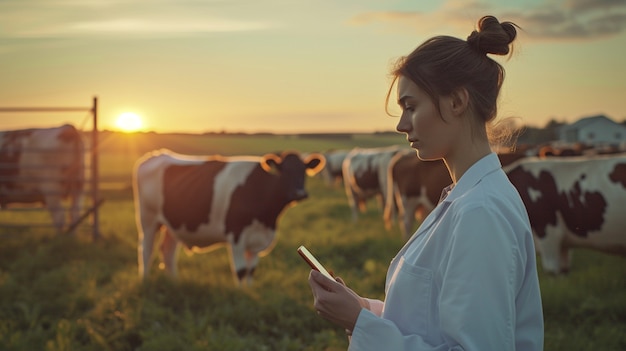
x,y
488,164
472,176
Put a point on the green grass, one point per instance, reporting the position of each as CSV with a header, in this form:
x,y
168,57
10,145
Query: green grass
x,y
69,293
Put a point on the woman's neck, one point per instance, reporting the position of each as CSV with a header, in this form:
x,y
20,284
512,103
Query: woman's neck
x,y
460,160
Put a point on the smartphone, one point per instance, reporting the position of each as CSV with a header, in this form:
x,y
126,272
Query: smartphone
x,y
313,262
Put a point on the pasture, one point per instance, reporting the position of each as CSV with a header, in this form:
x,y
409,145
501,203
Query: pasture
x,y
69,293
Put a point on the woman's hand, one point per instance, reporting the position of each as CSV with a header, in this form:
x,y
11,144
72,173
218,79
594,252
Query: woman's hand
x,y
334,301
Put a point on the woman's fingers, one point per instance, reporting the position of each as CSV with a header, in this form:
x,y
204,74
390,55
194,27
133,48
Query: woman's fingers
x,y
322,280
340,281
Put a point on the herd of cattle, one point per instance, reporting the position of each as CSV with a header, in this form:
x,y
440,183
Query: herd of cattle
x,y
572,202
203,202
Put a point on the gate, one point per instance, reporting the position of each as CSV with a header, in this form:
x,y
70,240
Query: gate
x,y
90,192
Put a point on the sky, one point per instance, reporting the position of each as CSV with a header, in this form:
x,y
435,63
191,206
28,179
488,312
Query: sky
x,y
290,66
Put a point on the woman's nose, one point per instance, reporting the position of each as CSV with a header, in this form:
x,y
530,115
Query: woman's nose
x,y
404,125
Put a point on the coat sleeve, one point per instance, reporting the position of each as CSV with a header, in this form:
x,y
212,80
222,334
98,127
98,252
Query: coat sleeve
x,y
376,306
477,293
372,332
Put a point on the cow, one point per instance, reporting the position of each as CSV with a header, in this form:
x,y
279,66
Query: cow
x,y
414,187
43,166
332,172
204,202
365,176
573,202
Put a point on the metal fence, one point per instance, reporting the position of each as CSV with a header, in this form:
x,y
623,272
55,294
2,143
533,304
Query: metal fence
x,y
90,192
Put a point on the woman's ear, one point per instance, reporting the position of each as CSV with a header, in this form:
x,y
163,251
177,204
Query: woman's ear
x,y
459,101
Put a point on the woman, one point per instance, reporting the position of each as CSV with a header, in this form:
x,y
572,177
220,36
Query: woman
x,y
467,279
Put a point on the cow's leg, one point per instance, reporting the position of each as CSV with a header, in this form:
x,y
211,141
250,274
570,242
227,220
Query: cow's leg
x,y
355,206
353,199
252,260
549,248
362,205
144,252
147,232
408,217
392,206
75,206
380,202
57,212
327,176
389,214
169,250
239,262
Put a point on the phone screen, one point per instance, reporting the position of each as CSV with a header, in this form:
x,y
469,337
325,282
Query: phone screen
x,y
313,262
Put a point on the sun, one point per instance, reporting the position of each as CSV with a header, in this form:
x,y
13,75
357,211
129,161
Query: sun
x,y
129,122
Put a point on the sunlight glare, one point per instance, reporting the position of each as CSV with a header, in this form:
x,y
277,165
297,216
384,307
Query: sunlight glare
x,y
129,122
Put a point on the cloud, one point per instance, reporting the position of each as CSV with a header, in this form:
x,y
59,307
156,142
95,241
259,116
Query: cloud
x,y
551,20
586,5
141,27
581,21
72,18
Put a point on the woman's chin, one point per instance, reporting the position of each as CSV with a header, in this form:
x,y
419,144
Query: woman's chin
x,y
426,156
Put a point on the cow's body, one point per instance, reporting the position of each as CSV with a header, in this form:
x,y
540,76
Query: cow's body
x,y
204,202
43,165
365,176
573,202
414,187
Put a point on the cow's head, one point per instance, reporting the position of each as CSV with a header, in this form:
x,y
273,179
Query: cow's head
x,y
291,169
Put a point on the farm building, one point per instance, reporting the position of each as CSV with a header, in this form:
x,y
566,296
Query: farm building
x,y
595,130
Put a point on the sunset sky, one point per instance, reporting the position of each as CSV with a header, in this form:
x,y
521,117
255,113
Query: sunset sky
x,y
290,65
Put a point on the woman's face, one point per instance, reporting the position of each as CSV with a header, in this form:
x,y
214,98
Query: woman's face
x,y
430,134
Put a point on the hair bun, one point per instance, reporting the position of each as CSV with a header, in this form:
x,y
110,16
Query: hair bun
x,y
492,37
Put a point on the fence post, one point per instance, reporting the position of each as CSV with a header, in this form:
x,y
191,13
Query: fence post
x,y
95,170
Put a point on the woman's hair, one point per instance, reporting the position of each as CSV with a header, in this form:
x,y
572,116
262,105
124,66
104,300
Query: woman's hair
x,y
443,64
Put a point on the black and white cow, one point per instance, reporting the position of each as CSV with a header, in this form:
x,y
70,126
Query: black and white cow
x,y
365,176
332,172
43,165
207,201
573,202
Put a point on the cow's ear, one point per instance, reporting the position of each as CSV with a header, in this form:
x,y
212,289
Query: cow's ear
x,y
270,162
314,164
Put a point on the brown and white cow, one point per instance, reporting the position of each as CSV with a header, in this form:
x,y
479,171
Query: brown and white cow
x,y
414,187
43,165
365,176
207,201
573,202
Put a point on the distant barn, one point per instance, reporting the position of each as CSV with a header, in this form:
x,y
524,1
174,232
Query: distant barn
x,y
595,130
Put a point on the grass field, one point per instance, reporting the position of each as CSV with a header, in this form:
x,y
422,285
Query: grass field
x,y
69,293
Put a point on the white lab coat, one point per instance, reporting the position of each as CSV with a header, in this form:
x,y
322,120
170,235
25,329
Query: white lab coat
x,y
466,280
